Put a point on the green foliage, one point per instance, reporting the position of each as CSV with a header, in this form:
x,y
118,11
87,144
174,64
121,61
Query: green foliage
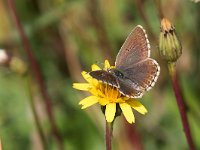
x,y
67,37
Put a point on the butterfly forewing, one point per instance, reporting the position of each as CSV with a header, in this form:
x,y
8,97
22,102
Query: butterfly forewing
x,y
105,77
136,48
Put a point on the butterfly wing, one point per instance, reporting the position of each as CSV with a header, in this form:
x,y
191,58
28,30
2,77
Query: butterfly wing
x,y
136,48
105,77
140,71
127,88
144,74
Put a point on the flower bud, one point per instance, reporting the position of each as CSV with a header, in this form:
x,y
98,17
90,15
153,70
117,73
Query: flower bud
x,y
4,58
17,65
169,44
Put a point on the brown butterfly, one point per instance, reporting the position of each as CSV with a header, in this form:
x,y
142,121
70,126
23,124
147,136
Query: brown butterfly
x,y
135,72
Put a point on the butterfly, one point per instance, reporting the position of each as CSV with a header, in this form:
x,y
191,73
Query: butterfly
x,y
134,72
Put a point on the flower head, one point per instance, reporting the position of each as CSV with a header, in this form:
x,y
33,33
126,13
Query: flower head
x,y
108,97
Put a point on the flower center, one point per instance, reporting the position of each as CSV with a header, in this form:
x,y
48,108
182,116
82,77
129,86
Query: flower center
x,y
111,93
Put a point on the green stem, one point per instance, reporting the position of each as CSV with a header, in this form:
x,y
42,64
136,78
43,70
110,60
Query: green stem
x,y
34,111
144,17
181,104
109,129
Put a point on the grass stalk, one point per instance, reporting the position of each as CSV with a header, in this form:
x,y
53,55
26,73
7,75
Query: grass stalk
x,y
36,72
34,111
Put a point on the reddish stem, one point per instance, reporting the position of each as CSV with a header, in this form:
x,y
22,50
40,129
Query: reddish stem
x,y
109,127
181,105
134,136
37,73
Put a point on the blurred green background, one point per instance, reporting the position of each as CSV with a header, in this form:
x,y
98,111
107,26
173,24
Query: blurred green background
x,y
66,38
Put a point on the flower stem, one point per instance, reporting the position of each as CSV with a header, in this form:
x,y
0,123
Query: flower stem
x,y
181,104
37,74
109,129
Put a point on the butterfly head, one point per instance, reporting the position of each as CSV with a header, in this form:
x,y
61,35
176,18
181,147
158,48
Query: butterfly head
x,y
116,72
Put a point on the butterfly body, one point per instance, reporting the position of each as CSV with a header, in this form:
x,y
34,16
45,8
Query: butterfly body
x,y
135,72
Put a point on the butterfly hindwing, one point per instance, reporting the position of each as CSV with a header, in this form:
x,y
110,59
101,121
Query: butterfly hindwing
x,y
144,73
127,88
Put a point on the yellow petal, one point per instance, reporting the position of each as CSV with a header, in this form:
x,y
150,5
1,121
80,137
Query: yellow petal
x,y
121,99
93,91
95,67
81,86
137,106
127,111
86,76
89,79
94,82
103,101
88,101
106,64
110,112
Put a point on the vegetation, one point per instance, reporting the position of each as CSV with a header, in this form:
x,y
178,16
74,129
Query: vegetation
x,y
38,106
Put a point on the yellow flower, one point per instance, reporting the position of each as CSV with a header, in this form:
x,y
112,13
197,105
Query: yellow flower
x,y
108,97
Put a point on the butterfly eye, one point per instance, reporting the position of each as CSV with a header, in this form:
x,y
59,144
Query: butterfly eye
x,y
118,74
